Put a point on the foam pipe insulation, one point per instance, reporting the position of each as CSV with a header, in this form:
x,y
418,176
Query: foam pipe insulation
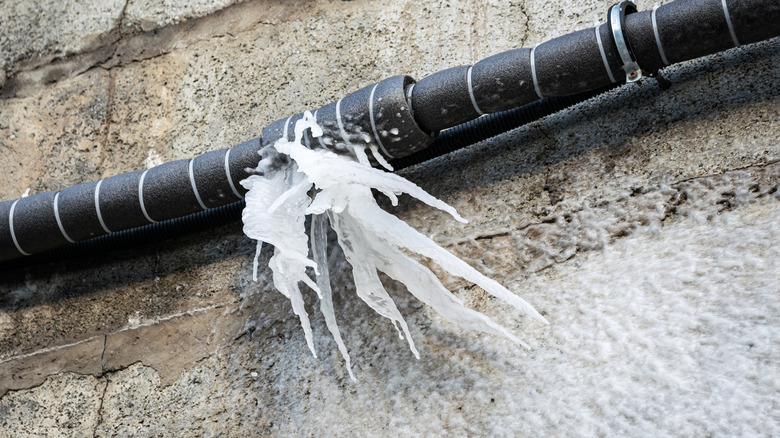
x,y
398,115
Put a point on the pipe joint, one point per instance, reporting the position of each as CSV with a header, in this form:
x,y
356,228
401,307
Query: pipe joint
x,y
378,115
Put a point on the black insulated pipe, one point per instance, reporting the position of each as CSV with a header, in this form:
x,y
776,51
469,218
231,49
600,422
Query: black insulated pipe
x,y
133,237
570,64
397,116
78,223
49,220
35,225
491,125
701,21
447,141
567,65
590,58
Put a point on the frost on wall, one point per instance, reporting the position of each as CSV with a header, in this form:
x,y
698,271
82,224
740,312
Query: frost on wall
x,y
280,198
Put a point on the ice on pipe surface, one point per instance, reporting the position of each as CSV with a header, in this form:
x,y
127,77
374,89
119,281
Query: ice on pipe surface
x,y
336,190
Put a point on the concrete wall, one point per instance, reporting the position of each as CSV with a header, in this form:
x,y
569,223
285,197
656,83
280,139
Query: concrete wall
x,y
642,224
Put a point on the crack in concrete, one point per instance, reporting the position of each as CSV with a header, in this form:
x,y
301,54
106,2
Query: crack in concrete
x,y
526,27
129,327
122,47
545,134
100,407
103,355
122,15
492,235
109,108
748,167
48,350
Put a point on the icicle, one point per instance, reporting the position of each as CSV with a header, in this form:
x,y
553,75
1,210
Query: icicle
x,y
372,239
283,228
319,246
379,158
367,284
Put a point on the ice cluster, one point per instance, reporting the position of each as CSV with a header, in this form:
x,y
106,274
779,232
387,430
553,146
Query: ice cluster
x,y
335,189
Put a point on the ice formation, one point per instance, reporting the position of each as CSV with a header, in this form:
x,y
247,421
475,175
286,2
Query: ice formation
x,y
336,189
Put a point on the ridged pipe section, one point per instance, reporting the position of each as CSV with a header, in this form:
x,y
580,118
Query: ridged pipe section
x,y
45,221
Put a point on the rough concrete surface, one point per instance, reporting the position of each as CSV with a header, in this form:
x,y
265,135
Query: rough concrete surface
x,y
34,33
643,224
152,14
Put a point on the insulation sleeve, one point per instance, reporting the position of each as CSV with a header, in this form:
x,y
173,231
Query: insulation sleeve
x,y
688,29
125,239
29,225
167,192
754,20
393,123
570,64
491,125
611,59
332,138
563,66
692,28
442,100
275,131
76,208
639,30
243,159
567,65
120,207
503,80
35,225
354,119
211,179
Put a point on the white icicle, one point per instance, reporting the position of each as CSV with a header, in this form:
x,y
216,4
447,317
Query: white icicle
x,y
319,243
379,158
282,227
367,284
372,239
424,285
398,233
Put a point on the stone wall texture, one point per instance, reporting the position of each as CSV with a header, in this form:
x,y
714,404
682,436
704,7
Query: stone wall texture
x,y
644,224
